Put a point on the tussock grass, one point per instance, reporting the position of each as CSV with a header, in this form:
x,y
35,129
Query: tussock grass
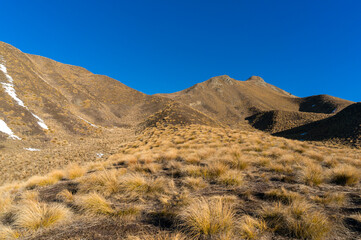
x,y
75,171
345,175
65,196
95,204
34,215
297,220
231,178
6,201
195,183
159,236
282,195
136,184
106,181
313,174
212,218
251,228
7,233
333,199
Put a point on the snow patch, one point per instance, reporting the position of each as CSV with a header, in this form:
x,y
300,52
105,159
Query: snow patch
x,y
334,110
10,89
303,134
40,122
32,149
93,125
100,155
5,129
314,105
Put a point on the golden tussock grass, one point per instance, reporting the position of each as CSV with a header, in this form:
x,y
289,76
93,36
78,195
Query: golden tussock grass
x,y
231,178
94,203
345,175
297,220
332,199
7,233
65,196
313,174
209,218
195,183
282,195
33,215
251,228
159,236
74,171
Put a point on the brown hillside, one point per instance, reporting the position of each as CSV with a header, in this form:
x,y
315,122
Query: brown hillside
x,y
231,101
323,104
67,99
345,126
277,120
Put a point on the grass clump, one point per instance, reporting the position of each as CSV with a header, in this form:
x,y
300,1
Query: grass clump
x,y
7,233
313,175
94,203
251,228
195,183
209,218
33,215
231,178
75,171
334,199
282,195
297,220
345,175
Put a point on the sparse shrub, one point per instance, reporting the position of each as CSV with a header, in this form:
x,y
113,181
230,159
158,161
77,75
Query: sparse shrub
x,y
209,218
34,215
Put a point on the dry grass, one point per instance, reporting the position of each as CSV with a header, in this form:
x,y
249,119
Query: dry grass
x,y
251,228
345,175
298,220
93,203
199,183
33,215
7,233
209,218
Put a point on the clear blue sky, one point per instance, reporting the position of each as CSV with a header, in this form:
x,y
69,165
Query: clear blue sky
x,y
306,47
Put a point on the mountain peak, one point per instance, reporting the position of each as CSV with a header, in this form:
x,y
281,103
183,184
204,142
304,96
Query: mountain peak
x,y
256,79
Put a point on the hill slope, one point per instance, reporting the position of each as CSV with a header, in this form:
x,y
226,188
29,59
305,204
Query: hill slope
x,y
345,126
42,98
231,101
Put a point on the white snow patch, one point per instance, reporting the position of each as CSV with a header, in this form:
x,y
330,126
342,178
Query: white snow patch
x,y
303,134
32,149
40,122
100,155
9,89
334,110
93,125
5,129
314,105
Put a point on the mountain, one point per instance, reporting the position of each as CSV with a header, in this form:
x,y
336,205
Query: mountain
x,y
231,101
344,126
42,98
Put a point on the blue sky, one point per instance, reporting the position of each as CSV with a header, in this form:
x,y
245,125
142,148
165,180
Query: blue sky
x,y
306,47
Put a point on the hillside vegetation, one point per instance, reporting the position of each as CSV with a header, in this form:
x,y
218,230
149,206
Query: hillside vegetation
x,y
194,182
